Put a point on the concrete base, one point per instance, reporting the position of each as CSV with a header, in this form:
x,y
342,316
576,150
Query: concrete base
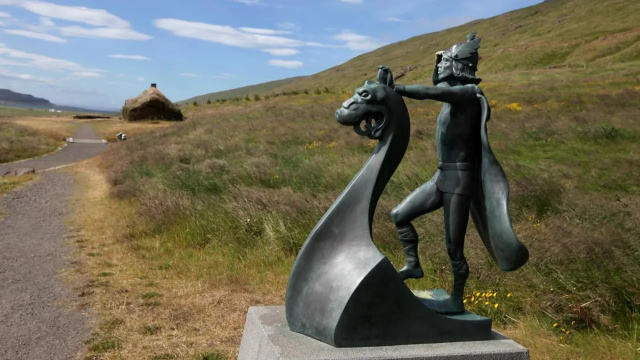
x,y
267,337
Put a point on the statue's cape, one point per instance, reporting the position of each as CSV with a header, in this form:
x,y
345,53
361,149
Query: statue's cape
x,y
489,207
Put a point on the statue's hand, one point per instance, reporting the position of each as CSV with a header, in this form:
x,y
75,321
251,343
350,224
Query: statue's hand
x,y
385,76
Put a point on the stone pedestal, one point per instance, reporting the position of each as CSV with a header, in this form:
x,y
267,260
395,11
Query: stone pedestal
x,y
267,337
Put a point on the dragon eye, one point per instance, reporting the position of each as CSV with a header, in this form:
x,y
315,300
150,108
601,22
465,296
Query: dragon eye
x,y
364,94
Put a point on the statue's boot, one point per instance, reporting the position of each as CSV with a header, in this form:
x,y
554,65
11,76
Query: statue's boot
x,y
452,304
409,239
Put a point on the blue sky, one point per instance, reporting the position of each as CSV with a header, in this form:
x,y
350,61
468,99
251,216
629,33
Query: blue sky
x,y
98,53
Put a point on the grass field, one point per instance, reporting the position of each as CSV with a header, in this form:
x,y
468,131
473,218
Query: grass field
x,y
19,142
205,217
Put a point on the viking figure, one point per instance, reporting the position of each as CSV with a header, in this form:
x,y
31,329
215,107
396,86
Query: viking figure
x,y
469,179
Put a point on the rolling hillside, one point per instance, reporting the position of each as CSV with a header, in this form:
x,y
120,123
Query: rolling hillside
x,y
239,92
553,34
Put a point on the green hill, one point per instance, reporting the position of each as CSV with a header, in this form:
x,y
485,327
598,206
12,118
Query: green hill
x,y
239,92
213,211
553,34
557,33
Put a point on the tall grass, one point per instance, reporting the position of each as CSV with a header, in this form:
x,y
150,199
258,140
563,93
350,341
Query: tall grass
x,y
19,142
230,195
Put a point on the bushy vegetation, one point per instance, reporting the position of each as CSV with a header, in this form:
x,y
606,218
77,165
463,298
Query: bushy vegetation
x,y
232,194
19,142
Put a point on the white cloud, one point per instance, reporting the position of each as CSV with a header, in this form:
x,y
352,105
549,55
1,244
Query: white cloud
x,y
263,31
289,64
46,21
395,19
103,32
247,2
288,25
104,24
95,17
129,57
42,62
11,62
282,52
4,14
353,1
139,78
4,74
227,35
35,35
189,75
357,42
88,74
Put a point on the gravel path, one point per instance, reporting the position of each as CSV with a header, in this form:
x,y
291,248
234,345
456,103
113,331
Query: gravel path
x,y
35,323
71,153
37,320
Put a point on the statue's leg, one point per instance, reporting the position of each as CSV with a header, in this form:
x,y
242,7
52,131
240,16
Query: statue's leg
x,y
423,200
456,218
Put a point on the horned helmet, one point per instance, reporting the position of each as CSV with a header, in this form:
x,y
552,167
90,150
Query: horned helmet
x,y
464,57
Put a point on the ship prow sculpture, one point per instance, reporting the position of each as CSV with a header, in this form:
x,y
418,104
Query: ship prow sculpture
x,y
342,290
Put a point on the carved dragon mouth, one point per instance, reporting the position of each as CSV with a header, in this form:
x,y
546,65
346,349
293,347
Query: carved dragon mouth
x,y
365,121
371,126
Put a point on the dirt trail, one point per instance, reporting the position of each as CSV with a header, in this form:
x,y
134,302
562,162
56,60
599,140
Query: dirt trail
x,y
36,322
37,319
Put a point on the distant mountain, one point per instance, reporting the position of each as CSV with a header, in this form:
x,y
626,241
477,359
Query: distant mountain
x,y
10,98
14,99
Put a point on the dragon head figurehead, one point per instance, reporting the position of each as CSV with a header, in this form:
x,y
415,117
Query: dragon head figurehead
x,y
374,107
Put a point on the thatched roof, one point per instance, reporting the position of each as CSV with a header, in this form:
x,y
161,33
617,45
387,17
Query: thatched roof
x,y
150,105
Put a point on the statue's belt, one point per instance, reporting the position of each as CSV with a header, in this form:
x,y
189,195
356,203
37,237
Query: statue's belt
x,y
456,166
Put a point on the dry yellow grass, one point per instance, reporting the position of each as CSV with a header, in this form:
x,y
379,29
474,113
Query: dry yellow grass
x,y
65,125
156,312
108,128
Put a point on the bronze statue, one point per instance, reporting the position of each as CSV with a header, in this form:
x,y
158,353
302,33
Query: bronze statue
x,y
342,290
468,179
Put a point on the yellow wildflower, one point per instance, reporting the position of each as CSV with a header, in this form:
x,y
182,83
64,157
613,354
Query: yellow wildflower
x,y
509,295
555,325
486,303
514,106
495,306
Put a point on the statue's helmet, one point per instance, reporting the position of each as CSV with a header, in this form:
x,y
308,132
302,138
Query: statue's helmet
x,y
464,58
